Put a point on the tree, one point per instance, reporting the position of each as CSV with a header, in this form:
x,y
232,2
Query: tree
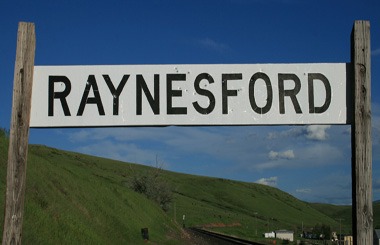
x,y
323,231
153,186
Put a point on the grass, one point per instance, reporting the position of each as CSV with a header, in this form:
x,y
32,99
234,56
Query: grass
x,y
77,199
242,209
73,198
345,212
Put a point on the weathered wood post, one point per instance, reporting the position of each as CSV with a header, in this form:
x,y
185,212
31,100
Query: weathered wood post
x,y
362,212
19,134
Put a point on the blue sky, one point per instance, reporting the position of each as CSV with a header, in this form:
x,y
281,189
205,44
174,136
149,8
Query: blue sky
x,y
312,163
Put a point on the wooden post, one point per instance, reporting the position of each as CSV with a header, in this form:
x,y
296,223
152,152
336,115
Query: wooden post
x,y
19,134
362,212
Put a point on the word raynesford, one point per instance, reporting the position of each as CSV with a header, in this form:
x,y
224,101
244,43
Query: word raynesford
x,y
159,95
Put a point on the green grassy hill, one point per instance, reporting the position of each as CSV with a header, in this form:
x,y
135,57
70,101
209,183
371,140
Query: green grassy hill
x,y
242,209
77,199
345,212
73,198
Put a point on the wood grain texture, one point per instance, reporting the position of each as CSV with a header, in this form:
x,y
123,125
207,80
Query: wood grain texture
x,y
361,134
19,134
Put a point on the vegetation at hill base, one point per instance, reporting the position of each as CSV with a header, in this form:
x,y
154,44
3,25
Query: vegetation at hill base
x,y
73,198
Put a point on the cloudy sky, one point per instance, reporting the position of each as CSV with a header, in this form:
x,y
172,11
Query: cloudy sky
x,y
311,162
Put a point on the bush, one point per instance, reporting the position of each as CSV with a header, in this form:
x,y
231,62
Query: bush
x,y
153,187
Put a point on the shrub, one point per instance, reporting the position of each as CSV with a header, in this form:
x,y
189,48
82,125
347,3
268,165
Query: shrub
x,y
153,187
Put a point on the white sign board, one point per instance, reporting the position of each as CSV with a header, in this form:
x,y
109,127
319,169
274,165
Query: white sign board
x,y
159,95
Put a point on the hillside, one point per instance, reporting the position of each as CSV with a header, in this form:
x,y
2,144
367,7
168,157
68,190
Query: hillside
x,y
242,209
75,198
345,212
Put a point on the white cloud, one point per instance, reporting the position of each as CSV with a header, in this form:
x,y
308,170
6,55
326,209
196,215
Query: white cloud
x,y
271,181
212,44
121,151
317,132
308,156
118,134
288,154
235,151
80,136
222,143
311,132
269,165
321,154
292,132
334,188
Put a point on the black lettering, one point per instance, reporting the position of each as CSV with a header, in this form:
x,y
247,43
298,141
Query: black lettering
x,y
292,93
252,100
116,92
58,95
91,83
226,92
170,93
326,83
204,92
154,102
